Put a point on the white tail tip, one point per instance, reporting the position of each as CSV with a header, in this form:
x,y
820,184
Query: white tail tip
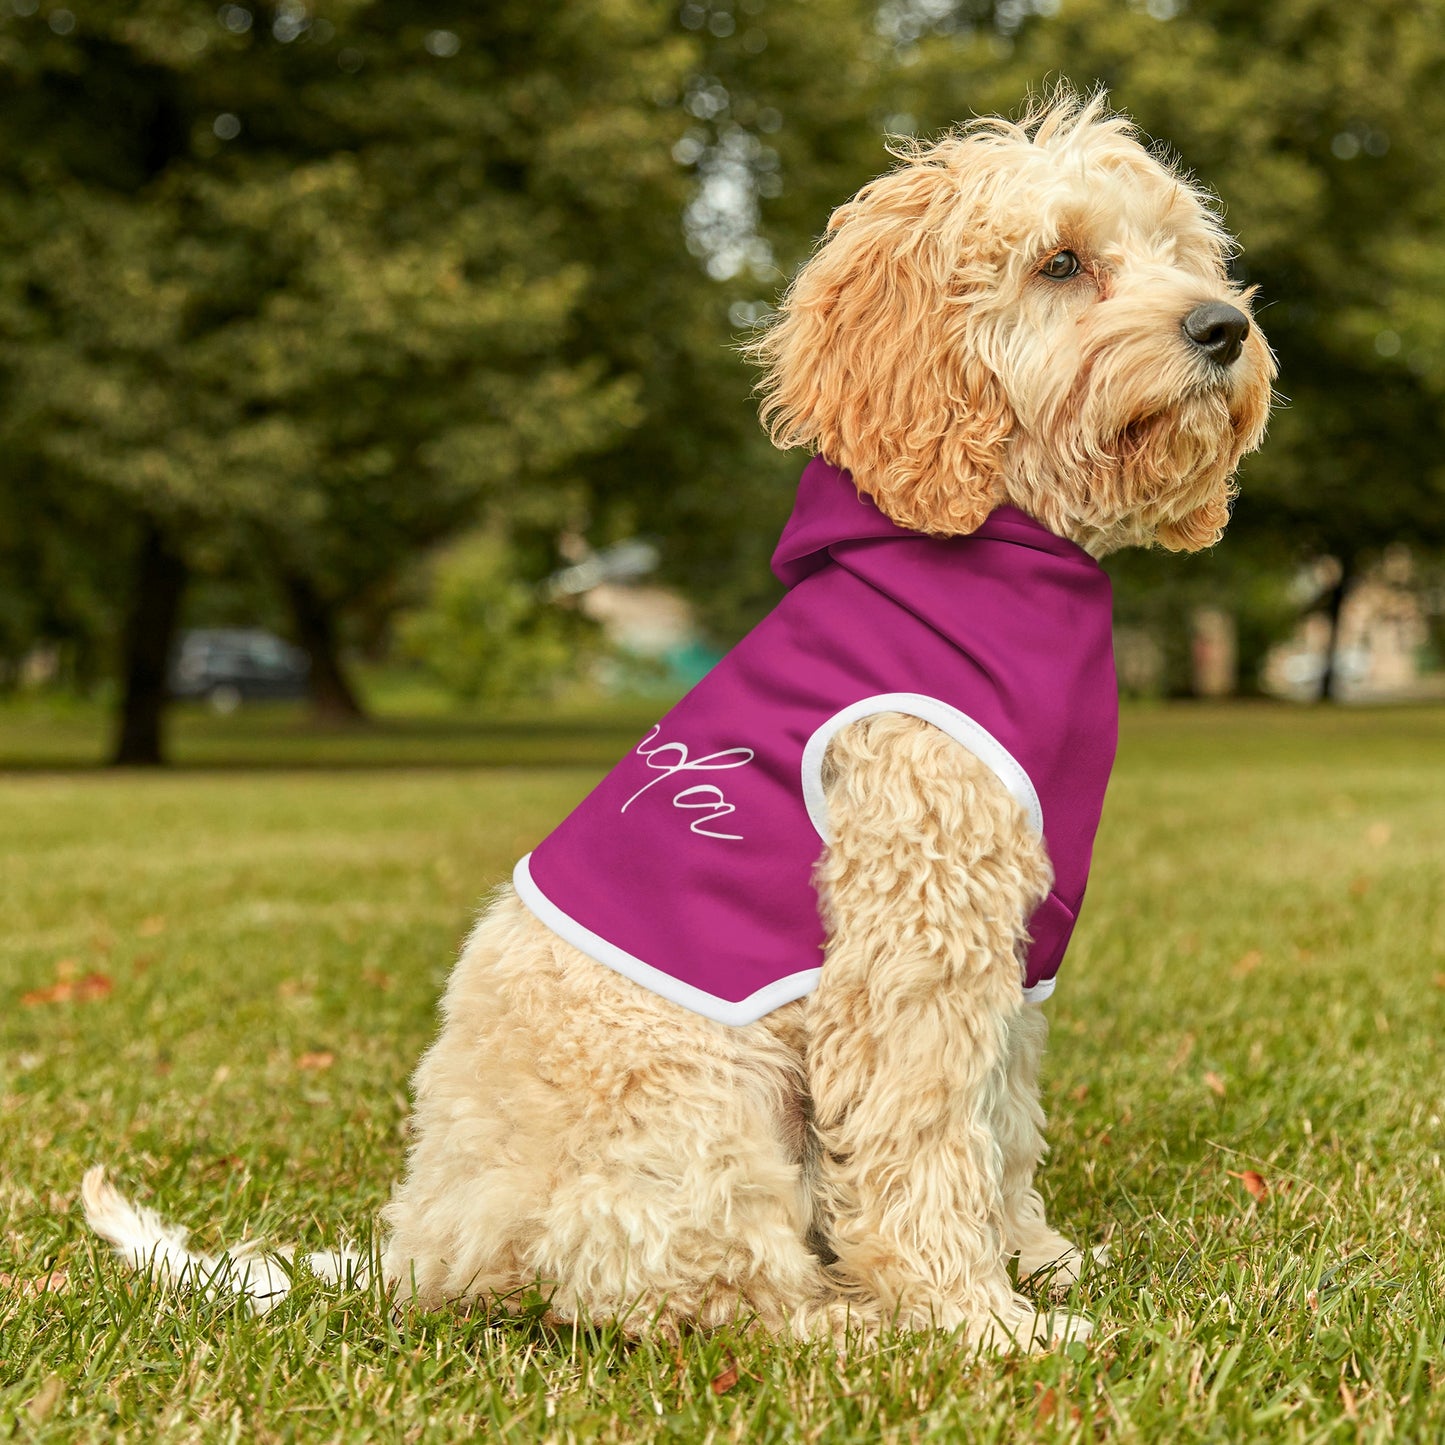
x,y
147,1243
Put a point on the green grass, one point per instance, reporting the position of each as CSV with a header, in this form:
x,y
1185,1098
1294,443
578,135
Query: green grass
x,y
1256,985
409,729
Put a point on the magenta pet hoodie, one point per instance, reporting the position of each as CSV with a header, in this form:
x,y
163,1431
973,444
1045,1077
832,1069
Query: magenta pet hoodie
x,y
690,867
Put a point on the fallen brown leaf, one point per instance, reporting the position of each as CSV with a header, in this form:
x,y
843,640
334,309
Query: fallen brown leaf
x,y
1181,1054
1254,1183
56,993
56,1282
1080,1094
1046,1408
1359,887
1440,980
82,990
1214,1083
1248,963
724,1382
377,978
320,1059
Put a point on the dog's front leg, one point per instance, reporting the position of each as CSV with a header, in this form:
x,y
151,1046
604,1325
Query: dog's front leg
x,y
1042,1251
926,885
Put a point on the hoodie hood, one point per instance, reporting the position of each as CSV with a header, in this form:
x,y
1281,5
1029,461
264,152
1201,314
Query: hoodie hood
x,y
830,512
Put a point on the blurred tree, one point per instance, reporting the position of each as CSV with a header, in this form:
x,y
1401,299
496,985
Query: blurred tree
x,y
58,574
315,286
780,117
487,634
306,283
323,284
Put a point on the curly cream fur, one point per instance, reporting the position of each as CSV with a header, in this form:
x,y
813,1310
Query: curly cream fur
x,y
921,348
577,1134
926,892
866,1156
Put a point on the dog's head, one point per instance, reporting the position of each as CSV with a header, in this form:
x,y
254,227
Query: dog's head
x,y
1036,313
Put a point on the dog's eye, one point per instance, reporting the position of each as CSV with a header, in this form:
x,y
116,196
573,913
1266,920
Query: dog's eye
x,y
1060,266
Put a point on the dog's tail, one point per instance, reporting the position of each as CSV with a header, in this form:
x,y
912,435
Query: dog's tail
x,y
147,1243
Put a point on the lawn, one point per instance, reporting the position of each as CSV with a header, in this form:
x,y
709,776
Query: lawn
x,y
216,980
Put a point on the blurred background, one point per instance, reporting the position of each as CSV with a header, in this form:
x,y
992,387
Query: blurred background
x,y
362,360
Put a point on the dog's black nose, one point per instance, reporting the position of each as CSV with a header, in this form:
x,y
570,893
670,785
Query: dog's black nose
x,y
1218,331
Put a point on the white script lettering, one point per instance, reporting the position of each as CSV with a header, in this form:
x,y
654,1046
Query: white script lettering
x,y
670,759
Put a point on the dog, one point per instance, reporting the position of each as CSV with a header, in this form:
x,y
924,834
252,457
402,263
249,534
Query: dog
x,y
699,1064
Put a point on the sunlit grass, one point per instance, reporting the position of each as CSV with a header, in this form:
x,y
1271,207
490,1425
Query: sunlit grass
x,y
231,972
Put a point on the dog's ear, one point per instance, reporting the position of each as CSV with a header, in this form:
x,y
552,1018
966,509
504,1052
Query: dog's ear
x,y
874,358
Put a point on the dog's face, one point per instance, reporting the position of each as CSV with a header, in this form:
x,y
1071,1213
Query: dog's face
x,y
1038,314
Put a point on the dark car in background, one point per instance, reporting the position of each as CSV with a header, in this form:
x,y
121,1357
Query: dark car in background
x,y
227,666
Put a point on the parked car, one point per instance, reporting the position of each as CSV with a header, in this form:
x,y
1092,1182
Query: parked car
x,y
230,665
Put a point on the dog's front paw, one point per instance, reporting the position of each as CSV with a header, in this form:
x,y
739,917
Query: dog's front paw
x,y
1023,1326
1057,1266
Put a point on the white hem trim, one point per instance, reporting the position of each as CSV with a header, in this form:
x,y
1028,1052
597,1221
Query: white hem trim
x,y
947,719
1040,991
720,1010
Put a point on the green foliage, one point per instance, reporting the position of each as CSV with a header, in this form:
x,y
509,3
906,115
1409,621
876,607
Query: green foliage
x,y
322,296
316,287
487,634
776,119
307,287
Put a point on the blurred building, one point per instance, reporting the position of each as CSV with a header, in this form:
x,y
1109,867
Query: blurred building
x,y
654,636
1382,650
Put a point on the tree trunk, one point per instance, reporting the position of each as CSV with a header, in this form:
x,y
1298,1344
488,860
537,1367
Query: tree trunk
x,y
1329,679
150,630
333,699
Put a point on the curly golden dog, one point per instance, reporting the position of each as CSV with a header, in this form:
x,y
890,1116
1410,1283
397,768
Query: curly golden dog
x,y
1031,321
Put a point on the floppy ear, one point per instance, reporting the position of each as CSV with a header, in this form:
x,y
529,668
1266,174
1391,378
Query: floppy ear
x,y
872,359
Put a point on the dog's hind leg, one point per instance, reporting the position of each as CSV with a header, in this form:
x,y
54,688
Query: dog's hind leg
x,y
926,886
577,1135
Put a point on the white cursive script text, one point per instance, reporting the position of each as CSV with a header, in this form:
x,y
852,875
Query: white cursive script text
x,y
670,759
